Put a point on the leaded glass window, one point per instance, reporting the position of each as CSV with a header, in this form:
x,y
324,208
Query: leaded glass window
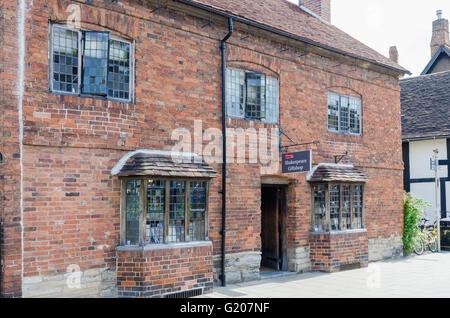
x,y
177,211
253,96
344,114
355,115
358,207
256,96
272,107
319,208
132,211
197,211
65,60
235,93
333,112
119,70
337,207
92,61
95,62
155,211
167,210
346,222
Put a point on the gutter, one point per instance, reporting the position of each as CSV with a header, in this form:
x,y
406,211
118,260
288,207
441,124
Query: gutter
x,y
288,35
223,48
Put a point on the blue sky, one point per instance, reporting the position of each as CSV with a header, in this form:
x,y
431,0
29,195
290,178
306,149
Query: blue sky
x,y
383,23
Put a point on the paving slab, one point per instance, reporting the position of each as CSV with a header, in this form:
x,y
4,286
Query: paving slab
x,y
425,276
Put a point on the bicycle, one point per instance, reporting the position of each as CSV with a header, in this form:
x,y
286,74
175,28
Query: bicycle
x,y
427,236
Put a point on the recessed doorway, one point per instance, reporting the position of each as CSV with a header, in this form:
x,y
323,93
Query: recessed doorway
x,y
273,228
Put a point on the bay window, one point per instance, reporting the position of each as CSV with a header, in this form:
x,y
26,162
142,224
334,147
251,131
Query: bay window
x,y
163,210
337,207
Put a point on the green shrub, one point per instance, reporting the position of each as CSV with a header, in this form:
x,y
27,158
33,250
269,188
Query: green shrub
x,y
413,212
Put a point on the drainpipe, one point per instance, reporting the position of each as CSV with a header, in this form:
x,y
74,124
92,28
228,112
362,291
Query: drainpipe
x,y
224,147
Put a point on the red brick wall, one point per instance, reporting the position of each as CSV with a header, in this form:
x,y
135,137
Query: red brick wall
x,y
71,206
153,273
330,252
10,214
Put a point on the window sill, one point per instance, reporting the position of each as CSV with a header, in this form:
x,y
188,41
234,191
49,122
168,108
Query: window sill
x,y
252,120
99,97
339,232
152,247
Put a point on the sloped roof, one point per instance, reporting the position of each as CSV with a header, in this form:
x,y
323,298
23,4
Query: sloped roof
x,y
443,50
162,164
327,172
426,106
289,18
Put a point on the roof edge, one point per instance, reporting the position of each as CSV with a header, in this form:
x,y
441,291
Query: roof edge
x,y
442,49
118,167
289,35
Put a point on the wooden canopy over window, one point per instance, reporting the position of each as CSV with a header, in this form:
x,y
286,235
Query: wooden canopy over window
x,y
163,164
336,173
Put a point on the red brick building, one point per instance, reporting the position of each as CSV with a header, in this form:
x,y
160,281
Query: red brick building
x,y
85,84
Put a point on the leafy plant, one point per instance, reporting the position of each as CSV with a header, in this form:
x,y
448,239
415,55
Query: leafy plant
x,y
413,209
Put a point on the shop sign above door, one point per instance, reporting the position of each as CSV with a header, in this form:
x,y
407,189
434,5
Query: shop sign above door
x,y
297,161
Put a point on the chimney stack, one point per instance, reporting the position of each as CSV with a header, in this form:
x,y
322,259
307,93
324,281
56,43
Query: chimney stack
x,y
440,33
320,7
393,54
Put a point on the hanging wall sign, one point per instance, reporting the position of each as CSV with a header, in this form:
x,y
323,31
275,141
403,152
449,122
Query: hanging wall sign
x,y
297,161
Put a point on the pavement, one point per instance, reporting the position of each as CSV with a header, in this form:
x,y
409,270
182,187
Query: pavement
x,y
425,276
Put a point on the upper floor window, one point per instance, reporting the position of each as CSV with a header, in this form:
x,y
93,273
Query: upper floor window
x,y
90,63
252,96
157,211
344,114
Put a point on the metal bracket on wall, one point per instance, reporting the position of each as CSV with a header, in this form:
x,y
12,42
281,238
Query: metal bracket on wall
x,y
337,159
304,54
294,144
248,33
210,21
287,48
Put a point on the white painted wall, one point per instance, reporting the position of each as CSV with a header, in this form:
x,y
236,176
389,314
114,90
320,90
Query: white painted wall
x,y
420,153
425,191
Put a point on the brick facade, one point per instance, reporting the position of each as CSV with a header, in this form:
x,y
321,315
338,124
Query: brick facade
x,y
71,212
160,271
331,252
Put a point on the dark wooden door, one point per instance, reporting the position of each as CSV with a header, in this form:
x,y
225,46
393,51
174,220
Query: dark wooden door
x,y
270,228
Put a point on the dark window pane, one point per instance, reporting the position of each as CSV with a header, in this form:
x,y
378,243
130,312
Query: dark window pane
x,y
132,211
177,211
119,70
155,211
65,53
95,62
197,211
256,95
